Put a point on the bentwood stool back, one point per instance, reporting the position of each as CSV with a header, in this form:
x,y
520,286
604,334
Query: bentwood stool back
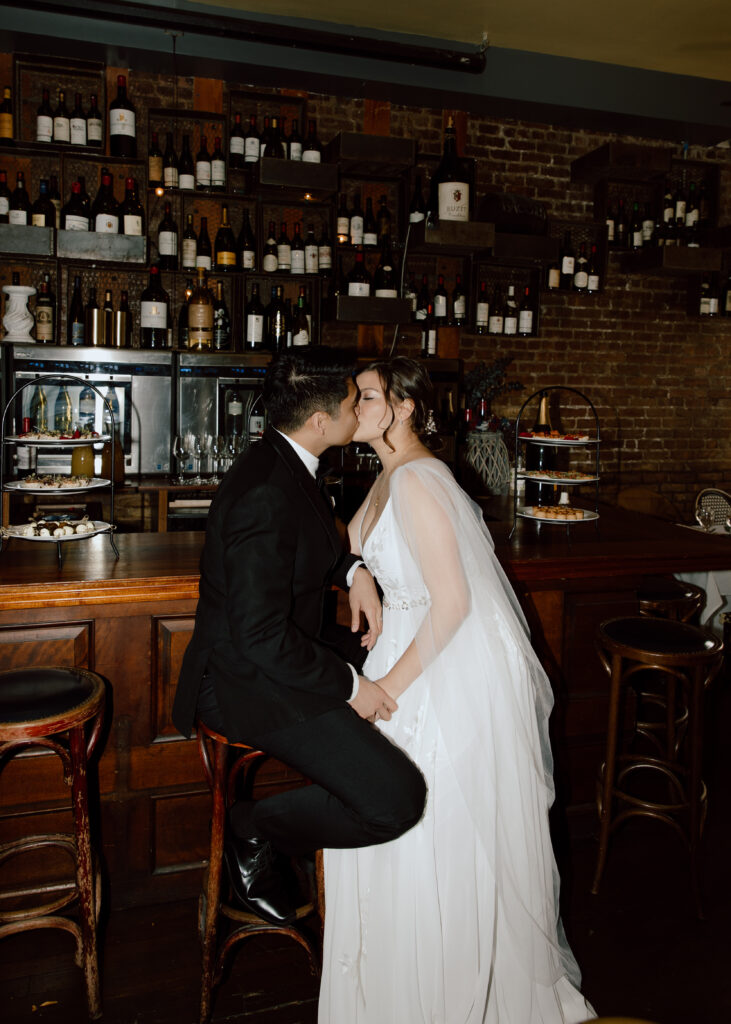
x,y
668,598
229,769
668,788
59,710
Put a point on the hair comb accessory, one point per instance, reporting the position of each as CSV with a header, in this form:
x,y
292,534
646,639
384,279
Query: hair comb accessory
x,y
431,427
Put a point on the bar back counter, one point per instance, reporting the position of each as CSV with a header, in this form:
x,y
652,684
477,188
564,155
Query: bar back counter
x,y
130,620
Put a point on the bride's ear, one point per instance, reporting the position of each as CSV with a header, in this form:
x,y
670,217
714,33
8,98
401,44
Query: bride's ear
x,y
406,410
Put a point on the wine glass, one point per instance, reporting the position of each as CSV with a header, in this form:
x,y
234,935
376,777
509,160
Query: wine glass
x,y
202,448
705,518
218,450
233,446
181,453
191,441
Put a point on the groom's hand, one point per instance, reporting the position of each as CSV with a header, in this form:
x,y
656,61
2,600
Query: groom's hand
x,y
363,598
371,702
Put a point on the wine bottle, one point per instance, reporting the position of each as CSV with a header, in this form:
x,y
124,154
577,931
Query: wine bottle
x,y
385,284
167,241
297,252
429,334
581,276
450,191
510,315
55,198
459,303
284,250
384,218
203,259
725,303
254,320
75,333
668,203
324,253
19,209
356,222
410,294
692,211
246,244
568,262
525,315
611,224
440,301
63,419
183,338
423,299
622,229
311,148
540,457
294,142
252,142
131,211
44,120
307,306
257,420
39,408
154,304
312,263
221,321
370,227
343,217
203,167
43,212
93,322
122,123
73,215
44,315
236,144
359,281
77,123
170,170
186,167
648,226
225,245
592,273
94,124
87,407
108,318
4,198
635,228
681,202
270,260
154,162
704,205
61,120
189,244
301,325
417,208
218,167
553,274
482,310
122,334
105,208
264,137
496,321
277,322
274,147
6,115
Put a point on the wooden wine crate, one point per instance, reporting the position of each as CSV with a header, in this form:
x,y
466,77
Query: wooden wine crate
x,y
361,310
535,248
21,240
94,245
371,156
675,259
318,180
457,238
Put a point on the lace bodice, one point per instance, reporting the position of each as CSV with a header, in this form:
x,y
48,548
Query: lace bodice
x,y
387,555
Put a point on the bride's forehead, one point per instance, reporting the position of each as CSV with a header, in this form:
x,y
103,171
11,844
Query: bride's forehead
x,y
369,380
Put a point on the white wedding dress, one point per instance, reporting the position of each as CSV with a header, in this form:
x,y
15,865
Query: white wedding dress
x,y
456,922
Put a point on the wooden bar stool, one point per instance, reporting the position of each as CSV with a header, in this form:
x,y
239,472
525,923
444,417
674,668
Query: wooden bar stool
x,y
689,658
228,778
59,710
668,598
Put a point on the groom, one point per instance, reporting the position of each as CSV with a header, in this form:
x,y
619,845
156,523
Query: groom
x,y
257,668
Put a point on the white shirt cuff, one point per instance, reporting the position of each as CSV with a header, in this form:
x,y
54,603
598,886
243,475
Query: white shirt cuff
x,y
356,683
351,574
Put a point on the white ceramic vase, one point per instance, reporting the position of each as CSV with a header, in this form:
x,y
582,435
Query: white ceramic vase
x,y
18,320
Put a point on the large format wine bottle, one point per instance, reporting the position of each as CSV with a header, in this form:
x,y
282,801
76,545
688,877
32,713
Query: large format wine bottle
x,y
449,197
200,315
154,305
122,123
225,245
540,457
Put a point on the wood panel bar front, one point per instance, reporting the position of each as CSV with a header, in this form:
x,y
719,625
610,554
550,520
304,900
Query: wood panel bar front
x,y
130,620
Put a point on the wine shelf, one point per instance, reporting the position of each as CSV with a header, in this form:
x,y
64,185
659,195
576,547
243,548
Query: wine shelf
x,y
454,238
19,239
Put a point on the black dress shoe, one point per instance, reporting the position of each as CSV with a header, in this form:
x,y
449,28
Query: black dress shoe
x,y
261,881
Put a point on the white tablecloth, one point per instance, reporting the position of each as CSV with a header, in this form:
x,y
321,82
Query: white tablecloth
x,y
717,585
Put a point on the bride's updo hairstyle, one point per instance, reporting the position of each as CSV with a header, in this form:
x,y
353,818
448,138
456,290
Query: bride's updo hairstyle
x,y
403,378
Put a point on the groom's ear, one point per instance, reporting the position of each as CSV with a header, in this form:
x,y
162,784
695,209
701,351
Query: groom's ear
x,y
318,421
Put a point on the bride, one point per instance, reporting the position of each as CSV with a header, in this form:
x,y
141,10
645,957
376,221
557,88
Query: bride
x,y
457,921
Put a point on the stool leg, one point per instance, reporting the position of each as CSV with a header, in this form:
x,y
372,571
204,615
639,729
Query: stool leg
x,y
605,817
85,872
213,889
695,782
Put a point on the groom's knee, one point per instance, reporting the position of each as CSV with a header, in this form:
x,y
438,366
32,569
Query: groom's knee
x,y
403,805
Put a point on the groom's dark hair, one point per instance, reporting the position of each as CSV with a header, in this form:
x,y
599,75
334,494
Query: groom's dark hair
x,y
300,382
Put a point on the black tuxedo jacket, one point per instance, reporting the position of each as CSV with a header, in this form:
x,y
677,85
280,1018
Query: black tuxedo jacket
x,y
271,553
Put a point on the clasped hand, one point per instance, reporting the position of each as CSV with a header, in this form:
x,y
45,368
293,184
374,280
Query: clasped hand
x,y
363,598
372,702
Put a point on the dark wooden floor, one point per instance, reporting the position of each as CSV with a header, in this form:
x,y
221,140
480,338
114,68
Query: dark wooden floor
x,y
642,951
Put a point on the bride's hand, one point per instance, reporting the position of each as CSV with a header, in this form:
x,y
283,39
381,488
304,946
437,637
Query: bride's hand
x,y
363,598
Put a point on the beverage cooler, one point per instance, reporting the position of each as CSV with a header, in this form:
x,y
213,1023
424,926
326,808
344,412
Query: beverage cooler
x,y
137,384
220,395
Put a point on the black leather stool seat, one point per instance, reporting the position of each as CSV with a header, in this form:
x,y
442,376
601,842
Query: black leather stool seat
x,y
35,694
665,588
644,635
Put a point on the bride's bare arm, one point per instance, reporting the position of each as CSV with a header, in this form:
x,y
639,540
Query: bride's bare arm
x,y
354,526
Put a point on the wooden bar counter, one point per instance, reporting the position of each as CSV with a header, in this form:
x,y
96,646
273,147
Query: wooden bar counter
x,y
130,620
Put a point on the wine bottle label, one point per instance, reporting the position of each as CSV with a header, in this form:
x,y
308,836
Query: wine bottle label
x,y
271,263
648,229
705,306
637,239
190,251
167,243
77,332
680,209
581,279
153,314
691,217
370,238
256,426
170,177
154,168
431,341
298,261
18,217
248,259
440,306
460,308
311,156
77,132
4,205
122,122
44,128
44,323
495,324
386,293
262,146
132,224
325,257
568,265
610,229
525,321
727,304
713,306
252,150
6,126
482,314
93,129
361,288
254,328
218,173
76,222
61,129
284,256
454,200
510,324
301,337
295,151
554,277
186,181
343,227
203,173
236,145
203,261
312,259
415,216
106,223
356,230
593,283
225,259
421,312
668,213
38,220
